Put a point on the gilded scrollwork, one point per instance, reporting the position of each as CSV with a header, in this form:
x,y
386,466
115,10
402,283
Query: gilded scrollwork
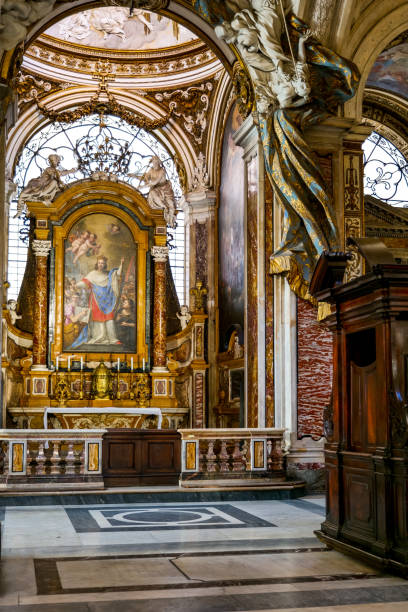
x,y
243,90
104,107
191,106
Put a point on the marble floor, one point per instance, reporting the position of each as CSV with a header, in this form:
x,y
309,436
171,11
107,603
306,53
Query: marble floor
x,y
208,556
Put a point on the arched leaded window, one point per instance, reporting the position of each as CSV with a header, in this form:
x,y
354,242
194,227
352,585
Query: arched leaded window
x,y
385,171
111,145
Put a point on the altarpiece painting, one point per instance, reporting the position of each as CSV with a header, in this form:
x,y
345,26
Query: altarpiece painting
x,y
100,259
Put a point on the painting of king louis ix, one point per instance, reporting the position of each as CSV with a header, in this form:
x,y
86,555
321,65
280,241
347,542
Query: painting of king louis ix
x,y
100,286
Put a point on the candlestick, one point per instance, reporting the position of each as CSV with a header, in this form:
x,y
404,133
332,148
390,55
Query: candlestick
x,y
131,364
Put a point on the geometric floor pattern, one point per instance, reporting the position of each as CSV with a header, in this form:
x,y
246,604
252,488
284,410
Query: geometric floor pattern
x,y
198,557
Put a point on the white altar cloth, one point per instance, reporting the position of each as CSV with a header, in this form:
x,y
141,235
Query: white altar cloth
x,y
107,410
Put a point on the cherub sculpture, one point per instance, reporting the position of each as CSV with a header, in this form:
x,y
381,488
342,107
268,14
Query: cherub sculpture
x,y
45,187
12,309
184,316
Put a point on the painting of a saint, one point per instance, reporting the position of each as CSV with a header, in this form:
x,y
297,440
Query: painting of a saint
x,y
99,286
231,232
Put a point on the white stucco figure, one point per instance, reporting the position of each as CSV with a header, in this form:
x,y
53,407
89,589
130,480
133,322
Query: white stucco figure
x,y
77,26
45,187
16,16
12,309
257,30
200,180
161,194
184,316
110,21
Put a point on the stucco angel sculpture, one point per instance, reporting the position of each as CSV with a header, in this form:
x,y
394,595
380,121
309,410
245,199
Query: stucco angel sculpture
x,y
45,187
297,83
161,194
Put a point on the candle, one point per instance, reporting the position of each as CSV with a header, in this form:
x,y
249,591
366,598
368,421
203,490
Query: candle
x,y
118,364
131,364
143,364
82,363
69,363
57,364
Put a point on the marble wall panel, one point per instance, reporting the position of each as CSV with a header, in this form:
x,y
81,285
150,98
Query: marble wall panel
x,y
269,321
315,370
252,294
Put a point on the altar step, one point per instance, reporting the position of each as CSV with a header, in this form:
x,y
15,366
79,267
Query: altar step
x,y
152,494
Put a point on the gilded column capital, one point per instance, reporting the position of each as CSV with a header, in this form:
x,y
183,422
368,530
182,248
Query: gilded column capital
x,y
160,254
41,248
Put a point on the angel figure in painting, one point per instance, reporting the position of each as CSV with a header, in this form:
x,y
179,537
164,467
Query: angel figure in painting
x,y
161,194
103,288
45,187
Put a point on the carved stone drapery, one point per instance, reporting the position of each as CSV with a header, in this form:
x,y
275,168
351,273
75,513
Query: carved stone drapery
x,y
160,255
41,249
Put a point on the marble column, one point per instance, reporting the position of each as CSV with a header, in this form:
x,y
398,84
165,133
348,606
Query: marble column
x,y
41,249
160,255
201,205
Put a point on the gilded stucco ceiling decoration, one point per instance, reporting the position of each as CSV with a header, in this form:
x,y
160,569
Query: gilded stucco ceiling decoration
x,y
140,49
44,56
191,107
30,88
108,105
118,28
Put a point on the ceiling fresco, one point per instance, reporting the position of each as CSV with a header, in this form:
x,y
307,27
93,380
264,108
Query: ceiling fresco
x,y
390,71
114,28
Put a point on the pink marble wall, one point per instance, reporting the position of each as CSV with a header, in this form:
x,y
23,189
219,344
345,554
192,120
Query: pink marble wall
x,y
315,370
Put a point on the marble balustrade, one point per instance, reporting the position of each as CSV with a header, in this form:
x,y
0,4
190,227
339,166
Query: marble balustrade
x,y
231,455
29,458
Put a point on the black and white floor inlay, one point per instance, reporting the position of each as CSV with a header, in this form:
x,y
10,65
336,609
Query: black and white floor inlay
x,y
148,518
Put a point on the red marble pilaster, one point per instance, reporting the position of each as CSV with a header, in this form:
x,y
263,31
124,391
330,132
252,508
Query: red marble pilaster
x,y
160,255
315,370
41,249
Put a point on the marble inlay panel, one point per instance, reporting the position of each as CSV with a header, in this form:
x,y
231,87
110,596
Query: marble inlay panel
x,y
150,518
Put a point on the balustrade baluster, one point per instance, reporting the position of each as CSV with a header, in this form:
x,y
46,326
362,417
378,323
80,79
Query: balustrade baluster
x,y
70,460
55,458
224,457
80,459
41,459
237,458
276,456
211,458
269,455
246,457
32,452
5,454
